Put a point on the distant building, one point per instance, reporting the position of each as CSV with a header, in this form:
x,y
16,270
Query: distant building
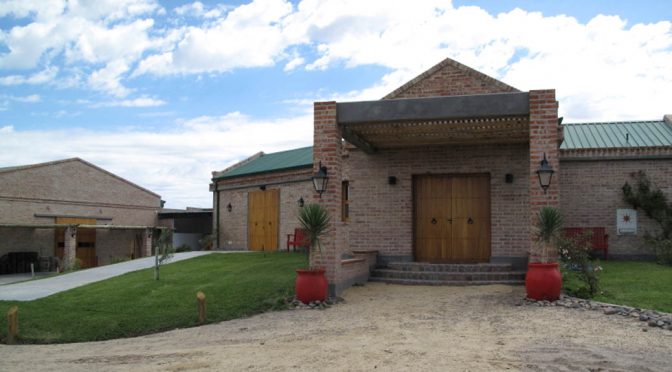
x,y
72,208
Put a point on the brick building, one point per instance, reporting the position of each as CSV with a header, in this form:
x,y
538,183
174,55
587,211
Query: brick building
x,y
443,169
72,208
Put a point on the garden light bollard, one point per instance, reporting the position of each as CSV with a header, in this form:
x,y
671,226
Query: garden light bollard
x,y
12,324
200,297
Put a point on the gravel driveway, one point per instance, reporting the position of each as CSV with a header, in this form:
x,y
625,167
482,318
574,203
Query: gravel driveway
x,y
383,327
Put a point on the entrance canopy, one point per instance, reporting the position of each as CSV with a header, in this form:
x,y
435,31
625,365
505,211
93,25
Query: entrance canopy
x,y
455,120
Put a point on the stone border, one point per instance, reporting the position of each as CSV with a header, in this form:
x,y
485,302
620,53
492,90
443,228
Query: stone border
x,y
651,317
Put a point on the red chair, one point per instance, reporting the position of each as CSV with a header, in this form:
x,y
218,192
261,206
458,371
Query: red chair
x,y
298,239
598,237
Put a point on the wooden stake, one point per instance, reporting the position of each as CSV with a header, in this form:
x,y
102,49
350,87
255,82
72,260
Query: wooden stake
x,y
200,297
12,324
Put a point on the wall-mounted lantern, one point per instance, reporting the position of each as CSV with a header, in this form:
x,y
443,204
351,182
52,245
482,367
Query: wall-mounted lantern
x,y
320,179
229,207
545,173
301,202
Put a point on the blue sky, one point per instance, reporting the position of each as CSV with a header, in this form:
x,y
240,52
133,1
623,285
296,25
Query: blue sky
x,y
163,93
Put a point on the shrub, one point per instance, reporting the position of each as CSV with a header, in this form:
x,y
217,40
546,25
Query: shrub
x,y
655,205
663,249
578,265
115,260
183,248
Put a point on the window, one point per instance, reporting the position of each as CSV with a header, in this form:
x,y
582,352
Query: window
x,y
345,201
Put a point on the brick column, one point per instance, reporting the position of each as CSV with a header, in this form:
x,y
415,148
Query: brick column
x,y
327,148
70,249
147,242
544,132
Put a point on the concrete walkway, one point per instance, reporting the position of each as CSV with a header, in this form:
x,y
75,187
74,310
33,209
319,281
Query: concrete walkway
x,y
34,289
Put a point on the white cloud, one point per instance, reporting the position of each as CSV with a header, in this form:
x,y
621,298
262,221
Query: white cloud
x,y
251,35
33,98
137,102
108,78
175,164
41,77
7,129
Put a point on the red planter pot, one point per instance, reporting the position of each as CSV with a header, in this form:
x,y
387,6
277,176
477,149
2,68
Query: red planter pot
x,y
543,281
311,285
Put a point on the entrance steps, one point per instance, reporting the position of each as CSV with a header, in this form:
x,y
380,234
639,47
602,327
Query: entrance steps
x,y
419,273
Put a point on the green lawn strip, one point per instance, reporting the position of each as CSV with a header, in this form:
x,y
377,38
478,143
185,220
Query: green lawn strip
x,y
236,285
645,285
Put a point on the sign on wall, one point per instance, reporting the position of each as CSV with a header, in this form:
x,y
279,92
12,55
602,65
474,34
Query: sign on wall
x,y
626,222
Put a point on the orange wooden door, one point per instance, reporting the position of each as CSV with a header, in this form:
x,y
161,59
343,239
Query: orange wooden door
x,y
452,218
263,220
433,211
86,241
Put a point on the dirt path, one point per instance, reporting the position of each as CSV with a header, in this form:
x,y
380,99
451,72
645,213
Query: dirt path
x,y
383,327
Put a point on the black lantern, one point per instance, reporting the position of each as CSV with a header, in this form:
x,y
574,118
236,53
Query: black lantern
x,y
229,207
301,202
320,179
545,173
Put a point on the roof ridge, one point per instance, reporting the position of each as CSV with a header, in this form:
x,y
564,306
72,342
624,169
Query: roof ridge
x,y
615,122
54,162
446,62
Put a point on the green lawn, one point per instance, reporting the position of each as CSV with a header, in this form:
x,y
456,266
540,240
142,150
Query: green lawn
x,y
236,285
638,284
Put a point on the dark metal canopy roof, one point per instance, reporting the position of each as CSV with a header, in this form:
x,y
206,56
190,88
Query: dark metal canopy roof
x,y
483,118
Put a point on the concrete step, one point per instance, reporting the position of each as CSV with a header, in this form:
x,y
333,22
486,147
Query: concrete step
x,y
448,275
422,266
445,282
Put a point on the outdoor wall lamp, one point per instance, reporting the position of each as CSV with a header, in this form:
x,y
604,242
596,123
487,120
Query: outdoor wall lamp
x,y
545,173
320,179
301,202
229,207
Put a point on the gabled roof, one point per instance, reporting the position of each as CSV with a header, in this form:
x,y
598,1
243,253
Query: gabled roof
x,y
50,163
496,85
625,134
265,163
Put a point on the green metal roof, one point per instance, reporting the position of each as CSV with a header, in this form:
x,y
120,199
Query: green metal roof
x,y
577,136
617,134
290,159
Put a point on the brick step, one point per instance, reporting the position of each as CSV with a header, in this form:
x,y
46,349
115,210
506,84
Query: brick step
x,y
449,276
421,266
445,282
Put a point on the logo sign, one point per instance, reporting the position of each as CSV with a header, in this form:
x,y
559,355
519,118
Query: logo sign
x,y
626,222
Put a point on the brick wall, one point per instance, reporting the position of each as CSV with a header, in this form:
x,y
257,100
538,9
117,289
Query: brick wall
x,y
544,132
72,188
590,193
381,215
293,185
450,78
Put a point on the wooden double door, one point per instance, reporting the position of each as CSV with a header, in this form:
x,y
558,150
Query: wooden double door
x,y
86,241
263,209
452,218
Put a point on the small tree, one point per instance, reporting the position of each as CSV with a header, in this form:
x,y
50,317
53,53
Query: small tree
x,y
547,231
163,250
314,220
655,205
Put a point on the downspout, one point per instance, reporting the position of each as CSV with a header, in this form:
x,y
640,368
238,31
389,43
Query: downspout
x,y
217,212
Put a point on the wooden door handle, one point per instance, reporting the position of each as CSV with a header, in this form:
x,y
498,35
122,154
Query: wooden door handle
x,y
434,221
470,221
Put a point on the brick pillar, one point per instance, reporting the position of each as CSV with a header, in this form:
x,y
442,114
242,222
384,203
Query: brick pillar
x,y
70,249
327,148
544,132
147,242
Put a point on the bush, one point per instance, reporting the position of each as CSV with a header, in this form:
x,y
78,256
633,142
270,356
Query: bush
x,y
183,248
579,266
663,249
116,260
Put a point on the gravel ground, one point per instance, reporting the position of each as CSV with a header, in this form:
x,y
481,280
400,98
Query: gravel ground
x,y
384,327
